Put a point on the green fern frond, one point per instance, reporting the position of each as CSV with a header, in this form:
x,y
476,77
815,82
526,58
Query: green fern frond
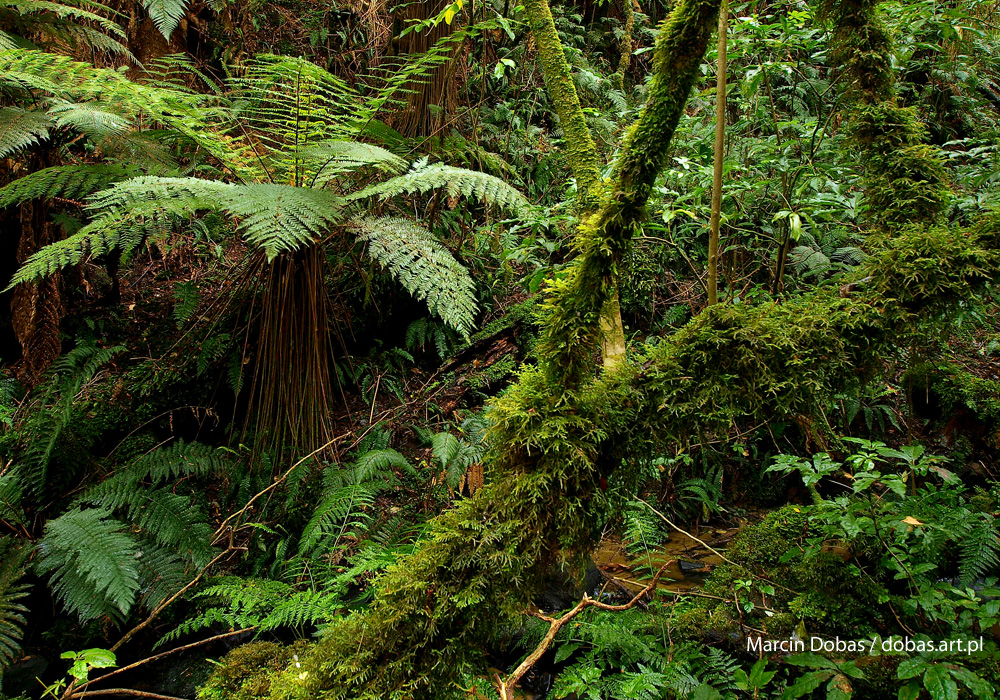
x,y
91,562
335,158
375,465
53,406
337,514
89,118
65,11
456,182
166,14
20,128
11,491
13,557
276,218
66,181
424,267
980,549
180,459
303,608
161,574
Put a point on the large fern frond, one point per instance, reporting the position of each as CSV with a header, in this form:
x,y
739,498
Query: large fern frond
x,y
11,491
276,218
980,549
339,512
334,158
91,562
66,181
455,182
424,266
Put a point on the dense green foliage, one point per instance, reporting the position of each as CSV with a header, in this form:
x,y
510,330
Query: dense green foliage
x,y
301,390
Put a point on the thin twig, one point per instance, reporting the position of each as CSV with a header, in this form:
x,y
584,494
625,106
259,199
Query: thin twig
x,y
125,691
686,533
157,657
506,686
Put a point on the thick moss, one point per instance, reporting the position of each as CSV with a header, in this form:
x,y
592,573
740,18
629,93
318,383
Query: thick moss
x,y
246,672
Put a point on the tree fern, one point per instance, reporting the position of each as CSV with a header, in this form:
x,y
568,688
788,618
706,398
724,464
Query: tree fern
x,y
91,562
424,267
13,557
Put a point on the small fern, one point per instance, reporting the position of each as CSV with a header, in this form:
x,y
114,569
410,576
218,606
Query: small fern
x,y
980,549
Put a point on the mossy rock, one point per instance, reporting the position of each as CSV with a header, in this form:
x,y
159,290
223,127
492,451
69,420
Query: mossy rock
x,y
246,672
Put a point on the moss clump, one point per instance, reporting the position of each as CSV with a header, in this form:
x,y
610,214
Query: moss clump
x,y
246,672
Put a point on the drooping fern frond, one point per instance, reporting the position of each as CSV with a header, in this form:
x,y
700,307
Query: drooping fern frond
x,y
424,266
52,408
161,574
166,14
980,549
276,218
20,128
179,459
61,19
423,177
91,119
13,556
66,181
91,562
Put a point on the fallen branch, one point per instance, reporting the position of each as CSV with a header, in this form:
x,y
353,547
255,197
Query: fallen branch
x,y
506,687
159,656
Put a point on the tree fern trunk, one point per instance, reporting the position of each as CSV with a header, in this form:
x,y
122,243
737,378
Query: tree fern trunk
x,y
432,98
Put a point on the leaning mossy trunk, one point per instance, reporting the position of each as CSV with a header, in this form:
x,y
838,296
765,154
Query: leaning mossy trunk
x,y
480,563
557,432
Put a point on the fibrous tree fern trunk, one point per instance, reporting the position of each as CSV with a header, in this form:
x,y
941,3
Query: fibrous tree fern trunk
x,y
431,98
478,565
291,402
36,309
581,153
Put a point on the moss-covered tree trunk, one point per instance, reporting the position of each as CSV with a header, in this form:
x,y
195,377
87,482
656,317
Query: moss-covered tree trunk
x,y
581,153
479,564
625,45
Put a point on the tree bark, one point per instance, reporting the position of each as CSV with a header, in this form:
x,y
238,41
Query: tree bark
x,y
720,155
